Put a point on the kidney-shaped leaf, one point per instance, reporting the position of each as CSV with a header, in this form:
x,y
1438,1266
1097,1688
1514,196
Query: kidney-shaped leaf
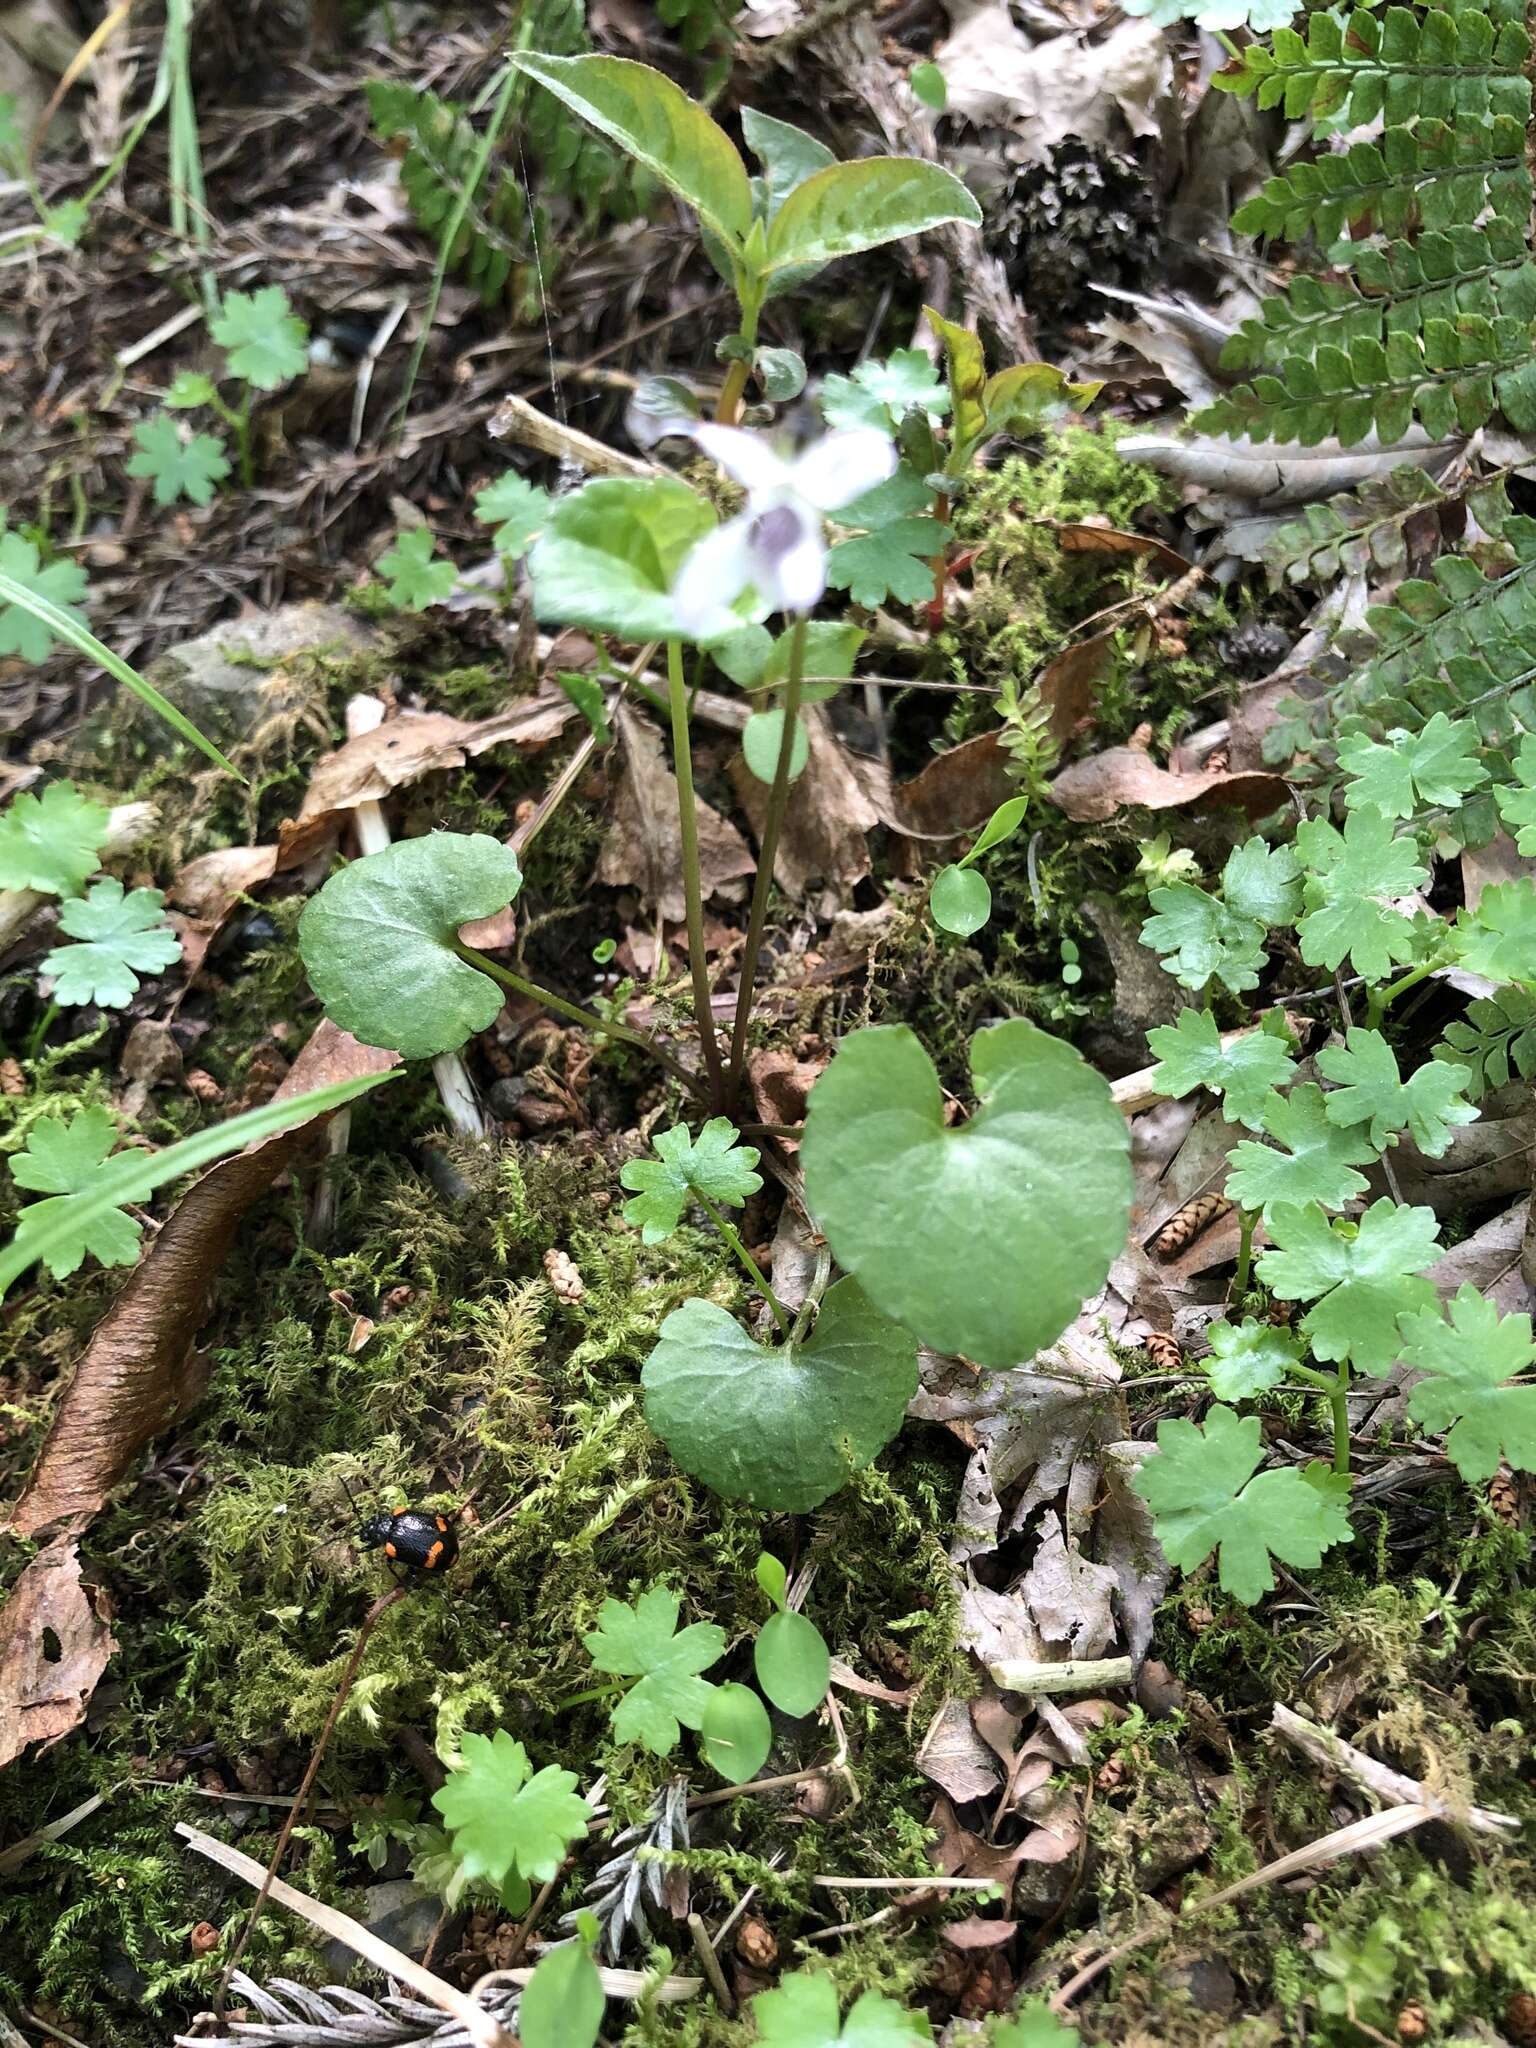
x,y
780,1426
378,941
860,205
610,553
986,1239
656,122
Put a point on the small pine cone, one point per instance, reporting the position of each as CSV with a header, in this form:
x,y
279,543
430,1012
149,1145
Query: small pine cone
x,y
1217,762
1141,738
1504,1495
12,1080
1198,1618
202,1084
1412,2022
563,1277
1163,1350
1181,1230
1110,1774
1520,2020
204,1938
756,1946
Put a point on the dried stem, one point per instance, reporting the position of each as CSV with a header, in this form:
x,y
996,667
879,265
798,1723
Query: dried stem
x,y
688,827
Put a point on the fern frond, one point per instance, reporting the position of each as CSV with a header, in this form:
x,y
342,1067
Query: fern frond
x,y
1444,65
289,2015
441,149
1396,287
1355,532
1452,377
1432,176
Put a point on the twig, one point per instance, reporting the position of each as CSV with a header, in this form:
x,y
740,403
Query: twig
x,y
908,1884
709,1962
1323,1746
1077,1674
370,1621
516,420
483,2029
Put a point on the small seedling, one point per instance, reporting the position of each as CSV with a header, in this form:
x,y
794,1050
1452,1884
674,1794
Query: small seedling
x,y
961,900
414,579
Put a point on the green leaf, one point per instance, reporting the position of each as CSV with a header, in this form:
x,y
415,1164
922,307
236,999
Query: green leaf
x,y
782,1426
51,1230
1353,874
1247,1357
610,553
1262,882
1517,806
881,393
1496,1038
119,933
27,602
518,510
12,145
1002,824
65,1159
927,82
415,580
803,2013
1365,1274
659,126
26,630
792,1662
1470,1362
960,899
643,1642
831,648
264,340
760,741
848,207
1201,940
1204,1496
507,1819
916,1210
190,388
787,154
1027,397
735,1733
773,1579
715,1164
51,843
1318,1162
587,694
563,2003
895,561
181,468
782,373
378,941
1034,2025
1437,765
1498,939
966,364
1242,1072
1428,1104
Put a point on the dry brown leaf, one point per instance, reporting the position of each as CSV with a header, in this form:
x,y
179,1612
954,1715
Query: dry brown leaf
x,y
1043,92
954,1757
833,807
780,1084
208,888
643,846
139,1372
399,752
957,791
1068,683
1091,791
973,1935
1089,537
54,1647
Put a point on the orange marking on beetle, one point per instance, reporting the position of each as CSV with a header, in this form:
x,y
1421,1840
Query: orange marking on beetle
x,y
429,1563
442,1525
390,1550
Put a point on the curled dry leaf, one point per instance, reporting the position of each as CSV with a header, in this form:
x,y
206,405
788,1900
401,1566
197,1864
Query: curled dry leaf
x,y
956,792
366,769
209,887
54,1647
1278,472
834,804
781,1083
643,846
139,1373
954,1757
1091,791
1091,537
1046,91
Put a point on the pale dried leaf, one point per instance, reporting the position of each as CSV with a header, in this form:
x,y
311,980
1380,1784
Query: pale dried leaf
x,y
1091,791
53,1649
209,887
1047,91
834,805
954,1757
644,847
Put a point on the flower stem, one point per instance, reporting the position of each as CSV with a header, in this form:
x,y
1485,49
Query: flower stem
x,y
588,1019
733,1238
728,406
1338,1401
1247,1218
1379,1001
778,797
688,827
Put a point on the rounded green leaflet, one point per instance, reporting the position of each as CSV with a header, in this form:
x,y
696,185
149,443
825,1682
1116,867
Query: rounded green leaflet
x,y
986,1239
564,2002
792,1663
735,1732
781,1426
961,900
760,742
378,941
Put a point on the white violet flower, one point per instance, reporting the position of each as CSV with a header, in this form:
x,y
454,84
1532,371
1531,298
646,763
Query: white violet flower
x,y
775,547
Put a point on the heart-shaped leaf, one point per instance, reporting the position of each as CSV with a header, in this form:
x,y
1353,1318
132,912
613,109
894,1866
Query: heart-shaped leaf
x,y
378,941
780,1426
960,899
656,122
610,553
860,205
986,1239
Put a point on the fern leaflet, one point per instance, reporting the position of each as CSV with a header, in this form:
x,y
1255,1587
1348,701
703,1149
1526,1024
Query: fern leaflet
x,y
1433,176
